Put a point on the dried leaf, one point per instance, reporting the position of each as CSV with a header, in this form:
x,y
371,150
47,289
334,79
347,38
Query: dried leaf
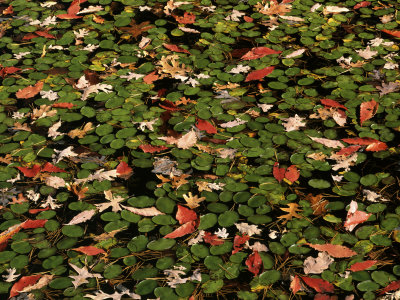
x,y
82,217
294,123
320,285
82,276
317,265
327,142
182,230
184,215
89,250
247,229
363,265
43,281
336,251
146,212
23,282
259,52
355,216
136,29
259,74
295,284
372,144
205,125
80,133
176,48
193,201
30,91
317,204
292,212
124,170
254,263
368,110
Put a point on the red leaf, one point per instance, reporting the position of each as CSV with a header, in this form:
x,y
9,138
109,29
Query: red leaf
x,y
32,224
152,149
48,167
348,150
30,91
363,265
30,172
63,105
362,4
336,251
332,103
29,36
279,173
68,16
238,242
259,52
8,11
8,70
124,170
295,285
393,286
176,48
292,173
184,215
248,19
23,282
320,285
259,74
324,297
182,230
89,250
212,239
395,33
356,218
72,10
45,34
168,105
38,210
150,78
205,125
368,110
188,18
254,263
372,144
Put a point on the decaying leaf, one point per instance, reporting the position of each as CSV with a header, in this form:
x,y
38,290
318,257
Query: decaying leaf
x,y
292,212
193,201
30,91
317,204
147,212
336,251
317,265
355,216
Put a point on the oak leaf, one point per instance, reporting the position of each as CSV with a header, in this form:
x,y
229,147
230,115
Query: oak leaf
x,y
292,212
317,204
193,201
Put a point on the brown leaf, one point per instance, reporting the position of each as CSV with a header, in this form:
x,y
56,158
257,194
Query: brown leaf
x,y
193,201
30,91
317,204
336,251
292,212
136,29
368,110
80,133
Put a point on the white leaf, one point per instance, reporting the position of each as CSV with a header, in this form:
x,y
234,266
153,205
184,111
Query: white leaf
x,y
82,217
334,10
91,9
188,140
235,15
327,142
53,133
50,201
96,88
222,233
295,53
82,276
11,276
100,175
55,182
257,246
147,212
367,53
345,163
292,18
294,123
82,83
240,69
234,123
374,197
315,7
51,95
250,230
317,265
186,29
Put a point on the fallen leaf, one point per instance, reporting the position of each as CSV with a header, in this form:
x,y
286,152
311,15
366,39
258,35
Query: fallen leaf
x,y
362,265
136,29
254,263
368,110
319,285
176,48
48,167
22,283
82,217
317,204
295,284
259,52
336,251
295,53
292,212
188,18
238,242
30,172
292,173
150,78
317,265
30,91
193,201
124,170
279,173
332,103
393,286
152,149
355,216
372,144
395,33
182,230
248,229
184,215
259,74
43,281
293,123
327,142
362,4
212,239
147,212
32,224
205,125
89,250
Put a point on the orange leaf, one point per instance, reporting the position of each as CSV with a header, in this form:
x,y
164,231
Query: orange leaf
x,y
45,34
32,224
124,170
152,149
368,110
184,215
149,78
292,173
30,172
395,33
363,265
362,4
38,210
89,250
182,230
320,285
372,144
336,251
332,103
212,239
23,282
8,11
48,167
279,173
176,48
63,105
259,52
188,18
317,204
295,285
259,74
394,285
30,91
205,125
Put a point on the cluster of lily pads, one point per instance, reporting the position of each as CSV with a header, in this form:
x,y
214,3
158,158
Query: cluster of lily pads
x,y
199,149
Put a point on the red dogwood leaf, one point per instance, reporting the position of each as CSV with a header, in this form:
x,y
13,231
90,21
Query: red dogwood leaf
x,y
259,74
175,48
368,110
30,172
72,10
151,149
23,282
32,224
48,167
279,173
8,70
38,210
182,230
184,215
292,173
168,105
89,250
362,4
124,170
393,286
254,263
205,125
63,105
150,78
8,11
259,52
45,34
372,144
362,265
29,91
295,285
188,18
238,242
212,239
336,251
395,33
319,285
332,103
348,150
30,36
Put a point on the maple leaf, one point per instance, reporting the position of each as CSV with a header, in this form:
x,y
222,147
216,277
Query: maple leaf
x,y
247,229
368,110
136,29
188,18
273,8
182,230
336,251
355,216
254,263
81,277
82,217
293,123
292,212
193,201
317,265
29,91
170,65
